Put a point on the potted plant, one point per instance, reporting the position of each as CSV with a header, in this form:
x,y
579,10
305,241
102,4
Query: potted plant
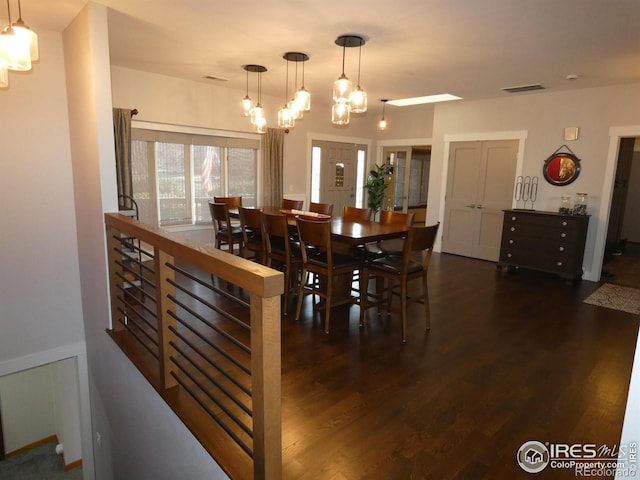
x,y
376,185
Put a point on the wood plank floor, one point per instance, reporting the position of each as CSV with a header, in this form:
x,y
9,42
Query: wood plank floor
x,y
510,358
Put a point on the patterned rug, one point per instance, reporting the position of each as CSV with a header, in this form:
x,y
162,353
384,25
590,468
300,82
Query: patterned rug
x,y
616,297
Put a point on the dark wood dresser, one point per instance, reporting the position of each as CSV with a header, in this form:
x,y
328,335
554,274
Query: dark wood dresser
x,y
545,241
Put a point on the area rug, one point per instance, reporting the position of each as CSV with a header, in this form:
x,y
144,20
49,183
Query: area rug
x,y
616,297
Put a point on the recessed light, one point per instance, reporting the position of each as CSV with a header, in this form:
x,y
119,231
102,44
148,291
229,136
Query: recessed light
x,y
442,97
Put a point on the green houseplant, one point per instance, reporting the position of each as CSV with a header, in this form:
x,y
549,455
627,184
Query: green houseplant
x,y
376,185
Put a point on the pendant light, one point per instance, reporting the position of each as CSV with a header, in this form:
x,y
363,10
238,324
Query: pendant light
x,y
341,113
14,49
286,116
303,97
342,88
246,101
27,35
383,123
256,115
358,96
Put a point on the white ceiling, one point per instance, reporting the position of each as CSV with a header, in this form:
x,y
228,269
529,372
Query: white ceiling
x,y
470,48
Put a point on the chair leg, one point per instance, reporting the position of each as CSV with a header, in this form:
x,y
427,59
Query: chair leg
x,y
364,295
303,278
327,313
287,286
403,308
425,299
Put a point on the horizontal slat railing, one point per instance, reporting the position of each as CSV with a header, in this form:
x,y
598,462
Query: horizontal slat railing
x,y
203,326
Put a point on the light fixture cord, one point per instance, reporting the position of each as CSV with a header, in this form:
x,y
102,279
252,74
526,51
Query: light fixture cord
x,y
303,74
247,70
296,82
344,48
286,85
359,59
9,13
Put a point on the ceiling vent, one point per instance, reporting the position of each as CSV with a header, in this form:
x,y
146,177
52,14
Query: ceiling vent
x,y
217,79
524,88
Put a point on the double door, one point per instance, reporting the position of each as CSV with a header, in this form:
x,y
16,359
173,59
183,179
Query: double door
x,y
480,182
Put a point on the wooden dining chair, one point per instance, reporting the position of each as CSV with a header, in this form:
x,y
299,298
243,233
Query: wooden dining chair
x,y
280,249
353,214
399,270
324,208
224,232
288,204
251,225
231,202
389,217
319,259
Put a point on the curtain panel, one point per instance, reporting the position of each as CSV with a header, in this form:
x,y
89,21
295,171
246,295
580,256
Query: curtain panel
x,y
272,160
122,136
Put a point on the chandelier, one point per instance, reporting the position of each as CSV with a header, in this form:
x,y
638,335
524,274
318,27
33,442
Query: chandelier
x,y
346,100
256,112
18,46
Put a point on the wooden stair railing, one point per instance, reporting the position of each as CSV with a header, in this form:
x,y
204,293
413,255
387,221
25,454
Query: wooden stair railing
x,y
203,327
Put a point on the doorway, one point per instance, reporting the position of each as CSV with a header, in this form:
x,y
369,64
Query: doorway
x,y
337,174
621,262
408,187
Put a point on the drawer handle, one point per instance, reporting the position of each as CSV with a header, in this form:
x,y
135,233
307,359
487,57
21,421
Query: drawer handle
x,y
564,224
509,255
513,229
563,234
561,249
510,242
513,219
559,264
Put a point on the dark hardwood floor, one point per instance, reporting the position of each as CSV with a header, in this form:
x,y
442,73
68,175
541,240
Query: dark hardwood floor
x,y
511,357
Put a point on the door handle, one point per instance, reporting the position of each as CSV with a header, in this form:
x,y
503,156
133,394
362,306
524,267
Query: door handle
x,y
480,206
471,205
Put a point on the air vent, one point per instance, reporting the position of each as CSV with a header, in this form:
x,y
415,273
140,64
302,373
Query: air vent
x,y
524,88
217,79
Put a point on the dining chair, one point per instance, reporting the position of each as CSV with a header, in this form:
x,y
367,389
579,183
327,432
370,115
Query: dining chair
x,y
399,270
319,259
288,204
324,208
353,214
389,217
280,249
251,225
224,232
231,202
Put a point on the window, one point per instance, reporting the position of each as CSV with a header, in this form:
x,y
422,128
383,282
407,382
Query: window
x,y
175,175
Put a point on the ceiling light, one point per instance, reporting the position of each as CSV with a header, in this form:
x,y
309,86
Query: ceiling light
x,y
343,99
358,97
15,49
4,74
301,101
256,114
286,116
383,122
442,97
246,101
27,35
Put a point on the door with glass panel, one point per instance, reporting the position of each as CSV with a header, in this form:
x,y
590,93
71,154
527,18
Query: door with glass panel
x,y
337,174
409,180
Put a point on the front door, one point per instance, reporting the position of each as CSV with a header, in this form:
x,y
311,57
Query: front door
x,y
480,185
337,172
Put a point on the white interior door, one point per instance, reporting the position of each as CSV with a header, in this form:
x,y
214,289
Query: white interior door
x,y
480,185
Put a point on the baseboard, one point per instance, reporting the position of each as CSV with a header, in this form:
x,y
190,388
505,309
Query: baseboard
x,y
72,465
51,438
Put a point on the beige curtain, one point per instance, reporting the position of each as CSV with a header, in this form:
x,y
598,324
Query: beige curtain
x,y
272,159
122,135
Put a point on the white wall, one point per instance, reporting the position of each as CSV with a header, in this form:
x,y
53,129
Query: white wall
x,y
543,116
27,406
66,395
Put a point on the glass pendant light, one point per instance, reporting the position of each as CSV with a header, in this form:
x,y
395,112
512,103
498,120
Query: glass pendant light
x,y
359,96
341,113
303,97
26,35
286,116
14,50
383,123
256,114
246,101
342,86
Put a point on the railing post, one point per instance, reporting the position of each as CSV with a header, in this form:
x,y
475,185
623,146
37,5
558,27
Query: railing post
x,y
117,317
165,320
266,387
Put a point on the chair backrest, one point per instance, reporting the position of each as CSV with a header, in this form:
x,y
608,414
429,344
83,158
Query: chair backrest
x,y
388,217
353,214
314,234
325,208
420,239
251,222
275,228
231,202
219,216
289,204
